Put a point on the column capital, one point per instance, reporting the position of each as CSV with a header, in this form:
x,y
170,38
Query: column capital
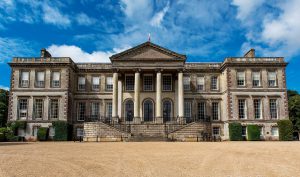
x,y
158,70
137,70
181,70
115,70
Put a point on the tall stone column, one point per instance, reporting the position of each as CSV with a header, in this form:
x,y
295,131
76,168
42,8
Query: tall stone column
x,y
180,97
158,98
137,118
115,98
120,97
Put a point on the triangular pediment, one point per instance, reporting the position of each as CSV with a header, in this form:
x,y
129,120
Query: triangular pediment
x,y
148,51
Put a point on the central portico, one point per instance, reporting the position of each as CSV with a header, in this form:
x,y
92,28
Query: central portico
x,y
140,75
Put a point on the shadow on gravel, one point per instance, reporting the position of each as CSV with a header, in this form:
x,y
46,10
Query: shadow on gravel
x,y
12,143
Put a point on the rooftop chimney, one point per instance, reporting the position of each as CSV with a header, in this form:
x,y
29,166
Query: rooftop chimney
x,y
250,53
45,53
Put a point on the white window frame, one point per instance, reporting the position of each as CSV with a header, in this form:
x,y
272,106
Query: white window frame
x,y
37,109
79,111
95,109
212,84
270,108
187,83
108,83
23,82
199,83
272,79
51,111
147,86
255,108
213,109
276,132
81,86
96,87
164,86
23,110
255,78
244,115
241,78
40,82
54,82
188,109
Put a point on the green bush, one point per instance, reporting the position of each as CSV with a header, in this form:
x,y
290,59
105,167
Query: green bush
x,y
61,130
14,126
3,133
42,134
235,132
285,130
253,133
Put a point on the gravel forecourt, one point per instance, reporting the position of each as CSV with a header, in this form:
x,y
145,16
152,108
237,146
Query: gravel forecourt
x,y
121,159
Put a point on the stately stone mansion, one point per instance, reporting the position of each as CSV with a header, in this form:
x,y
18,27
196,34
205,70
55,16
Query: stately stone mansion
x,y
149,91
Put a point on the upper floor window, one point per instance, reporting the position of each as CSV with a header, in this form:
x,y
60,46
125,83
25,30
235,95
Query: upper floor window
x,y
129,82
256,79
81,111
55,81
81,83
187,83
38,107
54,108
167,82
200,83
257,108
241,78
24,79
148,83
272,79
109,83
95,83
242,109
40,79
214,83
273,109
215,111
23,106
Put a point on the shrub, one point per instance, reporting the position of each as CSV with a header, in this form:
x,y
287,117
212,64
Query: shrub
x,y
235,132
61,130
42,134
14,126
253,133
285,130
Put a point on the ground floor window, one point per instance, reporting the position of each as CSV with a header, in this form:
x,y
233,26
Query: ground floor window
x,y
95,111
201,110
274,131
35,130
187,110
167,109
51,131
129,110
215,111
216,131
81,111
79,132
54,108
244,131
109,110
23,105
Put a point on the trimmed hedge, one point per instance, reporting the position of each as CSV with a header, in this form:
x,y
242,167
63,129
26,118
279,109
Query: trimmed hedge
x,y
42,134
235,132
253,133
285,128
61,130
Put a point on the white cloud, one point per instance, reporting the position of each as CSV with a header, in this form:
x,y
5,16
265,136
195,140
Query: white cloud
x,y
158,17
52,15
83,19
78,55
246,7
14,47
4,87
137,10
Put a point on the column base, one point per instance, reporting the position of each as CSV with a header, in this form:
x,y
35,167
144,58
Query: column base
x,y
115,120
137,120
159,120
181,120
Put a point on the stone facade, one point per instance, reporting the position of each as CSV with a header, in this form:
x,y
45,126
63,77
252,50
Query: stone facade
x,y
149,85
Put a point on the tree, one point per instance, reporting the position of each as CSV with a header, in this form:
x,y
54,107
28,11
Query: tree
x,y
294,111
292,93
3,107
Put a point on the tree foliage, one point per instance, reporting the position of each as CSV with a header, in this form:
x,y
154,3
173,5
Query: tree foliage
x,y
3,107
294,111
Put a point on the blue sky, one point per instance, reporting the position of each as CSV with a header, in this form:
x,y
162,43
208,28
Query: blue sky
x,y
91,30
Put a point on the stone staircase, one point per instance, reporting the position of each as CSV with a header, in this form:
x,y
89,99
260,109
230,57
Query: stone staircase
x,y
190,132
99,131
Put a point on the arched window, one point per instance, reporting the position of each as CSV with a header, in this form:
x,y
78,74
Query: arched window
x,y
167,110
129,110
148,110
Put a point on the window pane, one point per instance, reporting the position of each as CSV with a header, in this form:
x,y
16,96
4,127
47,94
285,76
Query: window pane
x,y
241,78
25,75
257,108
272,79
129,81
200,83
38,108
201,110
187,110
273,108
23,108
96,83
81,83
55,79
216,131
109,110
256,78
95,112
186,83
215,111
109,83
274,131
214,82
53,108
167,83
242,107
148,83
81,111
40,76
